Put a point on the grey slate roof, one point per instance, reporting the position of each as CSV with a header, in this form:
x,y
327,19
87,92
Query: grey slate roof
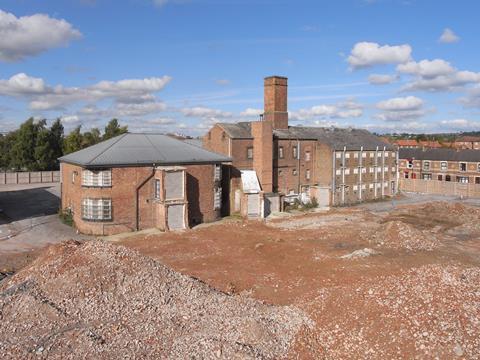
x,y
336,138
142,149
440,154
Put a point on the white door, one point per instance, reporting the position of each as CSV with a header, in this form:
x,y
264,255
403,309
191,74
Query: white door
x,y
176,219
253,208
323,197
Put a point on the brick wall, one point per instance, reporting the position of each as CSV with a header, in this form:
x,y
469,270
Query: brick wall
x,y
437,173
200,196
262,153
275,101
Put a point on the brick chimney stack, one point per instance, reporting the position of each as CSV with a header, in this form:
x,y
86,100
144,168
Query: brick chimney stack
x,y
275,101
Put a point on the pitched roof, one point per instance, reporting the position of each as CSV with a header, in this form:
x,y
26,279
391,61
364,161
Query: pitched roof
x,y
337,138
440,154
468,139
406,142
142,149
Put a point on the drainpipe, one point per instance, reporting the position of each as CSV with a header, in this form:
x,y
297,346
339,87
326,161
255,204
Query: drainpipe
x,y
360,170
334,184
383,172
137,200
343,174
376,172
298,165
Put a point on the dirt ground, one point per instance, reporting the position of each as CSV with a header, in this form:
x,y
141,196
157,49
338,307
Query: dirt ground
x,y
402,283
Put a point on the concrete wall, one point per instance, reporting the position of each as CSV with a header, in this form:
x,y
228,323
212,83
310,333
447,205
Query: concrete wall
x,y
29,177
440,187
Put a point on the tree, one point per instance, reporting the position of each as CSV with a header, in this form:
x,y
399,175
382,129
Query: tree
x,y
56,139
43,153
73,141
113,129
23,149
91,137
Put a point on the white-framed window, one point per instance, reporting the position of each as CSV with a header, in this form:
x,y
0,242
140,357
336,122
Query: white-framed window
x,y
427,176
307,174
280,152
97,178
347,171
379,169
217,199
73,177
426,165
370,186
157,189
338,155
364,155
347,155
97,209
385,169
371,170
372,154
364,170
379,154
294,172
355,187
378,185
218,172
294,152
355,171
250,152
463,166
338,172
307,155
355,155
443,166
386,153
385,184
364,187
462,179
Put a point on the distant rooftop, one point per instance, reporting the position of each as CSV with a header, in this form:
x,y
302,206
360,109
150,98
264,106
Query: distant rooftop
x,y
440,154
142,149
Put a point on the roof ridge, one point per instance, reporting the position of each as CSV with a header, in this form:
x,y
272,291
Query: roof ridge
x,y
108,147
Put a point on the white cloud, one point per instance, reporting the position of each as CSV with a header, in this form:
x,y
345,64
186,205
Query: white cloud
x,y
160,121
379,79
460,124
436,75
406,126
222,82
427,68
31,35
204,112
401,104
366,54
250,112
341,110
448,36
44,97
400,108
472,99
160,3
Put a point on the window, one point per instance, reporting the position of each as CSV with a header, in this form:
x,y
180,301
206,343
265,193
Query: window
x,y
405,174
347,155
294,172
387,154
97,178
355,187
250,152
426,165
307,155
440,177
364,155
427,176
74,173
355,155
218,173
463,166
355,171
157,189
477,180
462,179
364,170
307,174
217,199
371,170
347,171
338,155
338,172
372,154
379,155
448,178
478,167
370,186
294,152
280,152
443,166
97,209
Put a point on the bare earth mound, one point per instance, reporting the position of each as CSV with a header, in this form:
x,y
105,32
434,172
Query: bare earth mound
x,y
400,235
98,300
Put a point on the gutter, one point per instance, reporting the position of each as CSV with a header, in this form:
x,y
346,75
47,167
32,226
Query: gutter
x,y
137,200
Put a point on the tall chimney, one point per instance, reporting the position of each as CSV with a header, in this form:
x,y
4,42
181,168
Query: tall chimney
x,y
275,101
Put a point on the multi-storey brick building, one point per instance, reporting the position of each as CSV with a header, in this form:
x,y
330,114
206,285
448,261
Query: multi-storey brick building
x,y
467,142
337,166
448,165
139,181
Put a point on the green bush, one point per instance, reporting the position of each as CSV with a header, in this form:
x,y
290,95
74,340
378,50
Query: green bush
x,y
66,216
312,204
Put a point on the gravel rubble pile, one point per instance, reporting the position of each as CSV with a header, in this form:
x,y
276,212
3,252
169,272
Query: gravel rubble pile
x,y
99,301
432,311
399,235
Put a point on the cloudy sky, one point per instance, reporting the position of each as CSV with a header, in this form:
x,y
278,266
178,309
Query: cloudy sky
x,y
182,65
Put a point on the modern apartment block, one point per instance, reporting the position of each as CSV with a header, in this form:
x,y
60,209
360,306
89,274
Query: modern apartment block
x,y
336,166
140,181
448,165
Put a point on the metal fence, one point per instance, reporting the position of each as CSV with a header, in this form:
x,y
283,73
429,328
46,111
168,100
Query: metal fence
x,y
29,177
440,187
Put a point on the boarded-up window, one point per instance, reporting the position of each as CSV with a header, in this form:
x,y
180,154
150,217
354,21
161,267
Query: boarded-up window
x,y
250,153
218,172
307,156
174,185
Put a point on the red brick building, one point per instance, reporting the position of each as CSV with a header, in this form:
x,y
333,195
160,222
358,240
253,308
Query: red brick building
x,y
140,181
337,166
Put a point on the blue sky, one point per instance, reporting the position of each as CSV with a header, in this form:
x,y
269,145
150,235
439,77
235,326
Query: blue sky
x,y
180,65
